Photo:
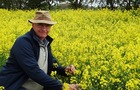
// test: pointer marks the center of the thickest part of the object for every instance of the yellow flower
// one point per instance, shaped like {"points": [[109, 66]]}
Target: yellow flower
{"points": [[53, 73], [55, 65], [2, 88], [66, 86]]}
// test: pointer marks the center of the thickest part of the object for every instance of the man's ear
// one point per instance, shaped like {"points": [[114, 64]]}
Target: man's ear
{"points": [[32, 24]]}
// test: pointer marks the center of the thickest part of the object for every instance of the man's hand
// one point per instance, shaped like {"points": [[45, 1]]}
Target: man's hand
{"points": [[73, 86], [67, 86], [70, 70]]}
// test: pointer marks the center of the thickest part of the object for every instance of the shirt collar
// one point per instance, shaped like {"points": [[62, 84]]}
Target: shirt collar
{"points": [[45, 42]]}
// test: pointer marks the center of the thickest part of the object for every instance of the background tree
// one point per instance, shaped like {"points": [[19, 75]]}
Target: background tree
{"points": [[33, 4], [75, 4]]}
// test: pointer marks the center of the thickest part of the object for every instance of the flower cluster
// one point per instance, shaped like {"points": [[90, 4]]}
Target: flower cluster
{"points": [[103, 45]]}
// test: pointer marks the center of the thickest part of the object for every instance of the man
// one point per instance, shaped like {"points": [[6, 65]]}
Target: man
{"points": [[31, 61]]}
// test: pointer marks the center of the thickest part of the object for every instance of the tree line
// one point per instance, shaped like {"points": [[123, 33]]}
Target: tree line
{"points": [[74, 4]]}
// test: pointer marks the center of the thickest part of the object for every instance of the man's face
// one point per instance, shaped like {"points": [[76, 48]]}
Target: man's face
{"points": [[41, 30]]}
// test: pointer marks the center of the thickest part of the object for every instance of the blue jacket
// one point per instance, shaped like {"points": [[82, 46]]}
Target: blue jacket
{"points": [[22, 64]]}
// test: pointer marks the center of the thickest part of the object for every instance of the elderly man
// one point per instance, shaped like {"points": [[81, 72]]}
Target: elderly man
{"points": [[31, 61]]}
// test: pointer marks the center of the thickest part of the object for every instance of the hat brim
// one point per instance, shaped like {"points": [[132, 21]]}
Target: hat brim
{"points": [[42, 21]]}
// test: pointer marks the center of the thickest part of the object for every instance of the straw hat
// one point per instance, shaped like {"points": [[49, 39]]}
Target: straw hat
{"points": [[42, 17]]}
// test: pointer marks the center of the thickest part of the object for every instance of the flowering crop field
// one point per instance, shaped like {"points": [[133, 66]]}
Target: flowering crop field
{"points": [[103, 45]]}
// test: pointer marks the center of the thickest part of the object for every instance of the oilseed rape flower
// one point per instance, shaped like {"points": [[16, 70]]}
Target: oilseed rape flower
{"points": [[2, 88], [103, 45]]}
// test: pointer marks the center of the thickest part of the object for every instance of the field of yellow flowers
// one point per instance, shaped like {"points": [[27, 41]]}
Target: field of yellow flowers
{"points": [[104, 45]]}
